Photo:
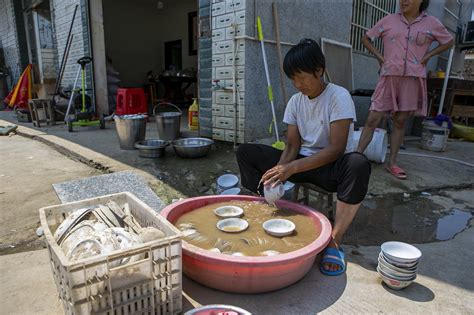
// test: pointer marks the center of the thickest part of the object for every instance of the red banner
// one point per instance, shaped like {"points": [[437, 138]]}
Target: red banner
{"points": [[20, 95]]}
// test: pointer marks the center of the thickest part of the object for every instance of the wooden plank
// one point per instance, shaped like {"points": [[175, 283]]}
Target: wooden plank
{"points": [[463, 111]]}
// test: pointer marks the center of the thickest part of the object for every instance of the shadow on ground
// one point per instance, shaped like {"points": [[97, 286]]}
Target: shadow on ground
{"points": [[311, 295]]}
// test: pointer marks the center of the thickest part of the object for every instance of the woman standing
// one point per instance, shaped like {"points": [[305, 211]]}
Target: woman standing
{"points": [[401, 88]]}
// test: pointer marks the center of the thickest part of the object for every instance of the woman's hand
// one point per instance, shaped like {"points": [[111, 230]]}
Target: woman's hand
{"points": [[277, 174], [380, 60], [425, 59]]}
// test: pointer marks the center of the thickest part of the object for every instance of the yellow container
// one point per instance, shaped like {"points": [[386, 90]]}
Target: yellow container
{"points": [[440, 74], [193, 116]]}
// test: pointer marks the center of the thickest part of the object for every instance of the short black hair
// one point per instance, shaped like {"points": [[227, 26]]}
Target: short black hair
{"points": [[306, 56], [424, 5]]}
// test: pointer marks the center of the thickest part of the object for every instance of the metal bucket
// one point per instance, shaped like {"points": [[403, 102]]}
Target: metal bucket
{"points": [[130, 129], [168, 123]]}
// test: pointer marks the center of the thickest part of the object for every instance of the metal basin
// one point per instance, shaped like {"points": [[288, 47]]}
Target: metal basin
{"points": [[243, 274], [152, 148], [192, 147]]}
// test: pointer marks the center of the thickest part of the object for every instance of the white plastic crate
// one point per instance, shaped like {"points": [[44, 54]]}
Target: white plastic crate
{"points": [[151, 284]]}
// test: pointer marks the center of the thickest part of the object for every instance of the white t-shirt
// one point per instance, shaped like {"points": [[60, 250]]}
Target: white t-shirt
{"points": [[313, 117]]}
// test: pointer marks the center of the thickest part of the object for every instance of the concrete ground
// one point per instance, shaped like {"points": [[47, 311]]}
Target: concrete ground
{"points": [[27, 172], [444, 283]]}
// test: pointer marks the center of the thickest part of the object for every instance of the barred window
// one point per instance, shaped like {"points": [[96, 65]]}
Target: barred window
{"points": [[452, 10], [365, 13]]}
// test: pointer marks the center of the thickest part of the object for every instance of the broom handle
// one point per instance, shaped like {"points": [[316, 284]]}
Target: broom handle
{"points": [[269, 86]]}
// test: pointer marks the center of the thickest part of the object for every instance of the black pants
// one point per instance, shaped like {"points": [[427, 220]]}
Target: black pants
{"points": [[348, 175]]}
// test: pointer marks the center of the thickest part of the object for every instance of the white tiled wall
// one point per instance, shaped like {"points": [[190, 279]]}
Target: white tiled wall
{"points": [[228, 56]]}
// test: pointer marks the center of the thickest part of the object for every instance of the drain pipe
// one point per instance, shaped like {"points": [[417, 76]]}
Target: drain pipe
{"points": [[235, 92], [234, 85]]}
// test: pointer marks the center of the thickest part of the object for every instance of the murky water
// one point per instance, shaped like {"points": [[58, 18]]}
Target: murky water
{"points": [[416, 219], [199, 228]]}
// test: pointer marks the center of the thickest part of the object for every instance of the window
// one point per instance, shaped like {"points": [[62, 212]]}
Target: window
{"points": [[365, 13]]}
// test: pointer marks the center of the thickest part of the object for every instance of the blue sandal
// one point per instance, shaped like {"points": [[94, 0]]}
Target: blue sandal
{"points": [[333, 256]]}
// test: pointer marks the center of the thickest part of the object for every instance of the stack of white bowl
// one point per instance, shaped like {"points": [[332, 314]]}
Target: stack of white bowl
{"points": [[227, 185], [398, 264]]}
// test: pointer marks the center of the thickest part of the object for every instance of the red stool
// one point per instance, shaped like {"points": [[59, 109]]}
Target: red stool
{"points": [[131, 101]]}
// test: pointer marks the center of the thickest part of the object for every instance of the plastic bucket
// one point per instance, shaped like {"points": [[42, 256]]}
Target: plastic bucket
{"points": [[130, 129], [168, 123], [434, 137], [377, 149]]}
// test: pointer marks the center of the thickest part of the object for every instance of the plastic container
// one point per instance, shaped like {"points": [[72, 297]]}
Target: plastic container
{"points": [[377, 149], [434, 137], [152, 284], [131, 101], [168, 123], [130, 129], [242, 274], [193, 116]]}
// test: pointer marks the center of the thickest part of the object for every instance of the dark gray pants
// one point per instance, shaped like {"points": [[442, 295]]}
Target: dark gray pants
{"points": [[348, 175]]}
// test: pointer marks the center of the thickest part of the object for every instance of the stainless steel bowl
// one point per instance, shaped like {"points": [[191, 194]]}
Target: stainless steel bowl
{"points": [[151, 148], [192, 147]]}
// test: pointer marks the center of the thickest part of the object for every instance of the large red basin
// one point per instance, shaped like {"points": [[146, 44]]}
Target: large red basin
{"points": [[248, 274]]}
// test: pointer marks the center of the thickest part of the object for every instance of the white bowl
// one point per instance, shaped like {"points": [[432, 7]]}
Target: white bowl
{"points": [[411, 270], [396, 274], [273, 194], [232, 225], [229, 212], [227, 181], [401, 252], [232, 191], [393, 283], [279, 227], [399, 264]]}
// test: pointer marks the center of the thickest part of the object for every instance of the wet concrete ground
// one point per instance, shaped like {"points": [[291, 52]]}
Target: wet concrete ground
{"points": [[438, 206], [417, 218]]}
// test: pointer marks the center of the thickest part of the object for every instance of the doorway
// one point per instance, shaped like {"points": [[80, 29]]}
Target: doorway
{"points": [[173, 51]]}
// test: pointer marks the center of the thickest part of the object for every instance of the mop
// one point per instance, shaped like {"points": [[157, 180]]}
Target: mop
{"points": [[280, 145]]}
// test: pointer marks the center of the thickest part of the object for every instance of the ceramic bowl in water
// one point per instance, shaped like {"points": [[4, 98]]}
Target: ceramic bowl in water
{"points": [[273, 194], [229, 212], [232, 225], [401, 252], [279, 227]]}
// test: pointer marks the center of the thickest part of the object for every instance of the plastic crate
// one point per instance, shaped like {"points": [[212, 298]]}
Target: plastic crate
{"points": [[150, 285]]}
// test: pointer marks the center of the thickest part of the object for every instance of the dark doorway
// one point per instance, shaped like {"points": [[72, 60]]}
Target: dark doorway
{"points": [[173, 54]]}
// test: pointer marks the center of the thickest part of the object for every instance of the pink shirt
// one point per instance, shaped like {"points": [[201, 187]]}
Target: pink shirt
{"points": [[405, 43]]}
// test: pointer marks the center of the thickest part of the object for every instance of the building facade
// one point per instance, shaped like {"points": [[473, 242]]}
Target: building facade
{"points": [[232, 88]]}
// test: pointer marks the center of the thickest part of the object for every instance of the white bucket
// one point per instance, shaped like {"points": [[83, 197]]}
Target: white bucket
{"points": [[377, 149], [434, 137]]}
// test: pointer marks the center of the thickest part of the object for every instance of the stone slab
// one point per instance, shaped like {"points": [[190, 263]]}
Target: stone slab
{"points": [[95, 186]]}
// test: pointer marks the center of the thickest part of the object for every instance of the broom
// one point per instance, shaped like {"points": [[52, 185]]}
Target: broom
{"points": [[280, 145]]}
